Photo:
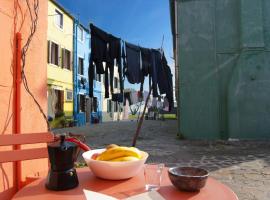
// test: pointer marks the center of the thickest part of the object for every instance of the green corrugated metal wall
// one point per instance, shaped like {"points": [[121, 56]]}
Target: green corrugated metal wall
{"points": [[224, 58]]}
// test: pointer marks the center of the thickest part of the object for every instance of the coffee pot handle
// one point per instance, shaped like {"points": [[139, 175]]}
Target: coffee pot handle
{"points": [[82, 145]]}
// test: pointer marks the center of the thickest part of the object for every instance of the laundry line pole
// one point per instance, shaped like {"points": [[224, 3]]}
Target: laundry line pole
{"points": [[141, 120]]}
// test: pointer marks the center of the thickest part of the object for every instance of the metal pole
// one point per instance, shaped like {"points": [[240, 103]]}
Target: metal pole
{"points": [[17, 76], [141, 120]]}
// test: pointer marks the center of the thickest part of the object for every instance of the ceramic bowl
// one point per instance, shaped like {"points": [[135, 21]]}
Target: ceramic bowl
{"points": [[113, 170], [189, 179]]}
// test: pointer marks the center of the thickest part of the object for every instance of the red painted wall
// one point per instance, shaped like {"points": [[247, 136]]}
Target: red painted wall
{"points": [[36, 72]]}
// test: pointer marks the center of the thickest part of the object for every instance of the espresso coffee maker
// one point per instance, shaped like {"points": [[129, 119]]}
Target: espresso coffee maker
{"points": [[62, 174]]}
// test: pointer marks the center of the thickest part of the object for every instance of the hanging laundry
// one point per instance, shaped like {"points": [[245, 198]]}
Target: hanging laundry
{"points": [[114, 50], [99, 51], [146, 64], [118, 97], [132, 67], [104, 48], [115, 53], [146, 60], [155, 64], [167, 85], [99, 54], [162, 78], [127, 97]]}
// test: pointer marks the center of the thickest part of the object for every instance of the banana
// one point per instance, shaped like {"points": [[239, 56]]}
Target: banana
{"points": [[111, 146], [117, 152], [124, 159]]}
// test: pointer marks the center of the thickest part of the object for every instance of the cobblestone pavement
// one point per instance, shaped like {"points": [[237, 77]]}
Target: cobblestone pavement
{"points": [[242, 165]]}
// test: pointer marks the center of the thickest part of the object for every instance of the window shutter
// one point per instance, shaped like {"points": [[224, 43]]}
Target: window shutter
{"points": [[59, 56], [53, 53], [71, 61], [63, 58], [49, 51]]}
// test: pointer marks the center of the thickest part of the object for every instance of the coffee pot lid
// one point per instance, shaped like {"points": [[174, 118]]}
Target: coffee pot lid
{"points": [[62, 143]]}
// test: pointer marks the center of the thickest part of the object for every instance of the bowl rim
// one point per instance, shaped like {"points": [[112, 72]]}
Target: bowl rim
{"points": [[103, 161], [170, 170]]}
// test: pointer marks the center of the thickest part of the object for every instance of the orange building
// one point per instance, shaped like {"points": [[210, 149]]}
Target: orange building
{"points": [[15, 17]]}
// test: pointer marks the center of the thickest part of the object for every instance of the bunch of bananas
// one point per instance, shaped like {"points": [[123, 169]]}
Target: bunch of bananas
{"points": [[117, 153]]}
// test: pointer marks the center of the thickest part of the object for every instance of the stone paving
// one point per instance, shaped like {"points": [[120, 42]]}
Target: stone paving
{"points": [[242, 165]]}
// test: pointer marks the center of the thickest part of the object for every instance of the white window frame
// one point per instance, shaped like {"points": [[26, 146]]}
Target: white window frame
{"points": [[71, 92], [57, 14], [79, 57], [50, 46], [63, 57], [109, 105], [79, 38]]}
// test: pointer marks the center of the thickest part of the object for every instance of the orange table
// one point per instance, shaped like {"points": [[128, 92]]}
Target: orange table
{"points": [[213, 190]]}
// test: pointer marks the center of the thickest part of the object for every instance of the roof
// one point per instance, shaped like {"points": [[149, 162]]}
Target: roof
{"points": [[84, 27], [62, 8], [69, 14]]}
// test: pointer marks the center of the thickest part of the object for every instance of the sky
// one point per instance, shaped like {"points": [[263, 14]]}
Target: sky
{"points": [[141, 22]]}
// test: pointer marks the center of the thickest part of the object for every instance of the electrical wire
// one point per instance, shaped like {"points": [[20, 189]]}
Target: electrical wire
{"points": [[33, 27]]}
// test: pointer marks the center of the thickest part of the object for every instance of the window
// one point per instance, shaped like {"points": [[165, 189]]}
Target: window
{"points": [[109, 105], [59, 19], [69, 95], [59, 105], [115, 82], [81, 104], [95, 104], [66, 59], [53, 53], [80, 66], [80, 34]]}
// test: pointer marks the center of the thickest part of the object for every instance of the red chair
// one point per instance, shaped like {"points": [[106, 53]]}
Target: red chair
{"points": [[24, 154]]}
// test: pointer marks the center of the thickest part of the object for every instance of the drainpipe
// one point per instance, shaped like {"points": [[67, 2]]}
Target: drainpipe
{"points": [[17, 104], [177, 67], [75, 74]]}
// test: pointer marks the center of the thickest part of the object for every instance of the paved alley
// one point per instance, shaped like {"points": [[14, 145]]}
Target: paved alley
{"points": [[244, 165]]}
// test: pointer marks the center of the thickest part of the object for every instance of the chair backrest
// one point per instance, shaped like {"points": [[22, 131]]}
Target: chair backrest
{"points": [[21, 139]]}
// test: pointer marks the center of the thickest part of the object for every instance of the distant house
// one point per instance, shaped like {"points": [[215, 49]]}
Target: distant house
{"points": [[221, 51], [59, 59], [111, 110], [85, 109]]}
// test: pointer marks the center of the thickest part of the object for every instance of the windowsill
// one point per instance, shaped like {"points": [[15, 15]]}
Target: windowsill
{"points": [[81, 41], [54, 65], [58, 27], [65, 69], [81, 75]]}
